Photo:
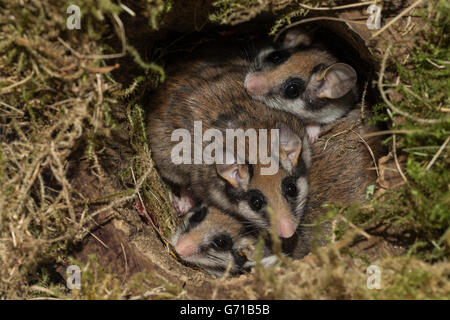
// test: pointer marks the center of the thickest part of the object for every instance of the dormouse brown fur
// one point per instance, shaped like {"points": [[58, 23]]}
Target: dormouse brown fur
{"points": [[213, 93]]}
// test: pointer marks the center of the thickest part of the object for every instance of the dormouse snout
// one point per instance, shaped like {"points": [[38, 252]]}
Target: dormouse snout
{"points": [[285, 227], [285, 223], [256, 84], [186, 247]]}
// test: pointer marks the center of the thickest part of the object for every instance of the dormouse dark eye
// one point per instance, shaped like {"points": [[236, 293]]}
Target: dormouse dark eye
{"points": [[198, 216], [222, 242], [256, 200], [256, 203], [277, 57], [289, 188], [294, 88]]}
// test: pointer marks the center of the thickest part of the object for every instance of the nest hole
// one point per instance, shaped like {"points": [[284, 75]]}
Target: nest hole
{"points": [[174, 43]]}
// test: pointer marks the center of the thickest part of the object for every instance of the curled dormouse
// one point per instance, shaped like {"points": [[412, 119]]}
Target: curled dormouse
{"points": [[216, 242], [343, 168]]}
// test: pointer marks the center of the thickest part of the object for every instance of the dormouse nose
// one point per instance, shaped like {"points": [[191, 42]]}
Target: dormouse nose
{"points": [[255, 84], [186, 247], [285, 227]]}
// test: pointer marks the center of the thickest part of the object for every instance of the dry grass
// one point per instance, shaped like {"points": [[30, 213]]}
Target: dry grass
{"points": [[56, 95]]}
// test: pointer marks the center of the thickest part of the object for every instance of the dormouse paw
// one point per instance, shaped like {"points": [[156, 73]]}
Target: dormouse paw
{"points": [[312, 131]]}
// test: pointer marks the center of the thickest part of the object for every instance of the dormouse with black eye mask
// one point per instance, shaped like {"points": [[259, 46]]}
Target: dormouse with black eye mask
{"points": [[306, 81], [216, 242]]}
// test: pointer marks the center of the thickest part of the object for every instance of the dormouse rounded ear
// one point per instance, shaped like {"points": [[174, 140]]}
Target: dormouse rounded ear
{"points": [[296, 37], [336, 81], [290, 144], [236, 174]]}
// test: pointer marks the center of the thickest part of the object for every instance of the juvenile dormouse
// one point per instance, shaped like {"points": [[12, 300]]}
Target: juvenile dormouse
{"points": [[304, 80], [216, 242], [213, 94]]}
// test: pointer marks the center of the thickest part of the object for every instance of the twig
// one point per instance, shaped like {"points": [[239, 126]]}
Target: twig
{"points": [[359, 230], [394, 147], [397, 164], [42, 289], [100, 98], [370, 151], [435, 64], [401, 14], [334, 135], [397, 131], [347, 6], [339, 133], [121, 33], [314, 19], [438, 153], [128, 10], [415, 95], [126, 262], [9, 88], [88, 231], [140, 182], [11, 107]]}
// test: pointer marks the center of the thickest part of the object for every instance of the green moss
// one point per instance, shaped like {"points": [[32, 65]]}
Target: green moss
{"points": [[408, 280], [422, 206], [97, 281], [155, 9]]}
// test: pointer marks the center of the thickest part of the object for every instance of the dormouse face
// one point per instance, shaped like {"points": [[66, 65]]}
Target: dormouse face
{"points": [[300, 79], [285, 191], [303, 82], [213, 241]]}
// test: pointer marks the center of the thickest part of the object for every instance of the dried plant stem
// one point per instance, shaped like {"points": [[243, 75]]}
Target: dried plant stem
{"points": [[314, 19], [347, 6], [121, 32], [333, 136], [397, 164], [93, 235], [370, 151], [401, 14], [126, 262], [11, 107], [438, 153], [351, 224], [9, 88], [125, 198], [394, 149], [398, 131]]}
